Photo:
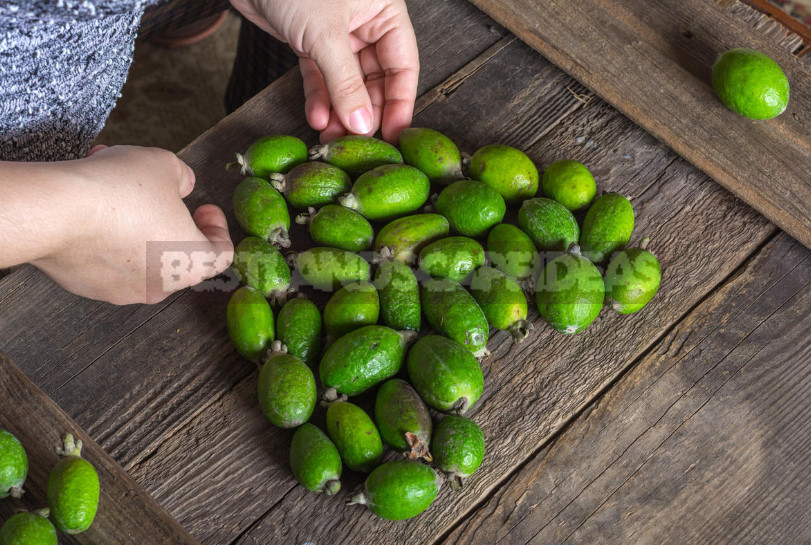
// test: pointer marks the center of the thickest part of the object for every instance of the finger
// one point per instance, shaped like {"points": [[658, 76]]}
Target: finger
{"points": [[316, 98], [96, 148], [210, 220], [333, 130], [375, 84], [335, 59], [187, 181]]}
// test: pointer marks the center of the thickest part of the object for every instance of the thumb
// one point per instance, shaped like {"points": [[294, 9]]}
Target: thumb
{"points": [[210, 220], [344, 82]]}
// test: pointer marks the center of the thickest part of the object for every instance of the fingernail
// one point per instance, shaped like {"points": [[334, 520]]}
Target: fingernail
{"points": [[360, 121]]}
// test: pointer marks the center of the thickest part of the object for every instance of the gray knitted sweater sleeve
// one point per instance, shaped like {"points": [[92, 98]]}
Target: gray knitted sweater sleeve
{"points": [[62, 66]]}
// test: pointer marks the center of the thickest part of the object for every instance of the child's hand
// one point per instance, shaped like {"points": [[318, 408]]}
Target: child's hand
{"points": [[359, 60]]}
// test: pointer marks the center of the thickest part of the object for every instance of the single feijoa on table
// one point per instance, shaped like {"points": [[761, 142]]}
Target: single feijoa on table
{"points": [[459, 446], [750, 83], [403, 419], [258, 264], [315, 460], [570, 183], [453, 312], [355, 435], [399, 490], [299, 327], [339, 227], [607, 227], [507, 170], [356, 154], [570, 292], [273, 153], [452, 257], [403, 238], [286, 388], [387, 192], [432, 152], [262, 211], [312, 184], [632, 278], [471, 207], [511, 251], [502, 300], [73, 489], [399, 295], [250, 323], [26, 528], [362, 358], [448, 377], [328, 269], [550, 225], [350, 308], [13, 465]]}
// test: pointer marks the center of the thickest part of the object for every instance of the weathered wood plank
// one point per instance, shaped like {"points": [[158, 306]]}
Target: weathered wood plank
{"points": [[127, 514], [651, 60], [704, 440]]}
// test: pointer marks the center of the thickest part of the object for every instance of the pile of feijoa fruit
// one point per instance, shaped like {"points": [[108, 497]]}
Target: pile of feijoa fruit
{"points": [[416, 282], [72, 493]]}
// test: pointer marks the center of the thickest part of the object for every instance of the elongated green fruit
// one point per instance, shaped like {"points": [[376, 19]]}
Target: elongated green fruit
{"points": [[507, 170], [399, 295], [315, 461], [355, 435], [350, 308], [459, 446], [258, 264], [339, 227], [13, 465], [312, 184], [250, 323], [632, 278], [432, 152], [387, 192], [274, 153], [452, 311], [453, 258], [327, 269], [262, 211], [399, 490], [299, 328], [549, 224], [28, 529], [511, 251], [356, 154], [403, 238], [502, 300], [471, 207], [287, 394], [570, 183], [73, 489], [607, 227], [403, 419]]}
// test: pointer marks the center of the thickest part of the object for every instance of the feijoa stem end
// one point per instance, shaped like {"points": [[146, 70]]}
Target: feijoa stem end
{"points": [[279, 237], [644, 244], [332, 487], [348, 200], [69, 447], [520, 330], [16, 492], [408, 335], [358, 499], [44, 512], [330, 396], [418, 448], [306, 217], [574, 249], [460, 406], [318, 152], [277, 181], [238, 164]]}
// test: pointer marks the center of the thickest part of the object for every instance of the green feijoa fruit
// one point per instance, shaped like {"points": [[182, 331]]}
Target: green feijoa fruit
{"points": [[274, 153], [458, 444], [399, 490], [338, 226], [250, 323], [503, 301], [750, 83], [632, 278], [356, 154], [453, 312], [312, 185], [507, 170], [403, 419], [286, 388], [355, 435], [570, 292], [550, 225], [73, 489], [403, 238], [299, 328], [362, 358], [607, 227], [399, 295], [432, 152], [471, 207], [570, 183], [453, 257], [511, 251], [28, 529], [448, 377], [351, 307], [387, 192], [13, 465], [327, 268], [315, 460], [261, 211], [258, 264]]}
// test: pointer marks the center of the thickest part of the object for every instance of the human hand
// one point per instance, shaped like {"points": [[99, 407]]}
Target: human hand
{"points": [[358, 58], [127, 199]]}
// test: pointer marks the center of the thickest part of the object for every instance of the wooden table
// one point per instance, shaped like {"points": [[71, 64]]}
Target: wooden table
{"points": [[685, 423]]}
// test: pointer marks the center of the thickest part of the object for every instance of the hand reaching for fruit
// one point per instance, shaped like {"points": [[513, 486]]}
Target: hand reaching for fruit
{"points": [[358, 58]]}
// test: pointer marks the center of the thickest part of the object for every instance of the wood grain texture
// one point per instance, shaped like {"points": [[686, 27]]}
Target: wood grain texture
{"points": [[126, 515], [705, 440], [651, 60]]}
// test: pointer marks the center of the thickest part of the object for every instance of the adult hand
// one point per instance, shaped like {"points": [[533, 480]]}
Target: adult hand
{"points": [[358, 58]]}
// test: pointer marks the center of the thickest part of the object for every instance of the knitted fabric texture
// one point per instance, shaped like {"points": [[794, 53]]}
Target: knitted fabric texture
{"points": [[62, 66]]}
